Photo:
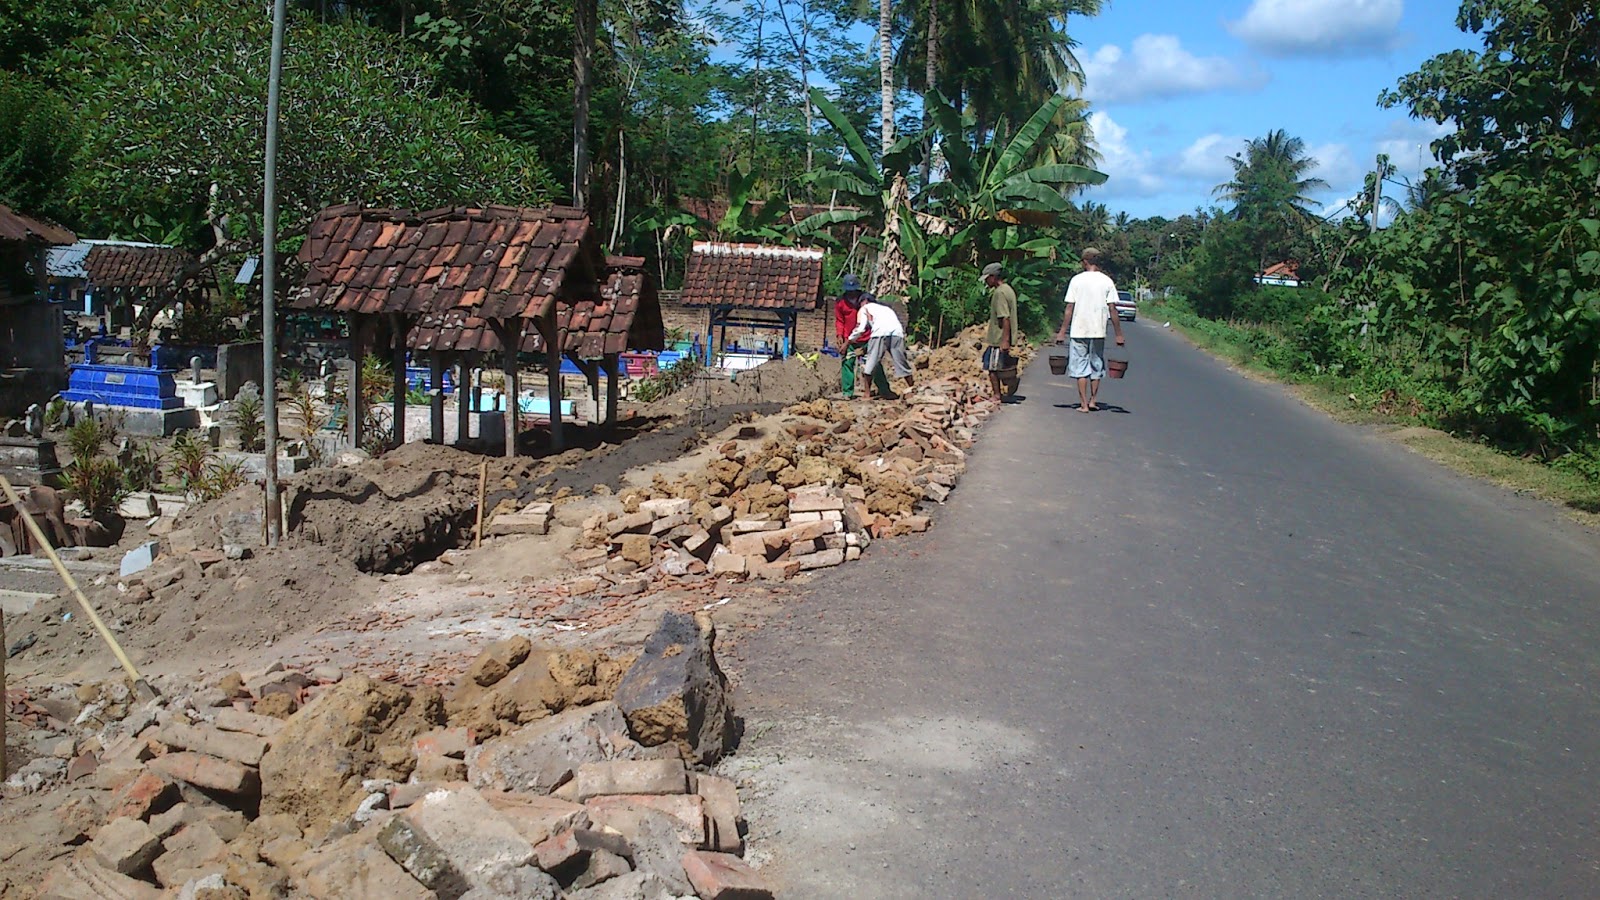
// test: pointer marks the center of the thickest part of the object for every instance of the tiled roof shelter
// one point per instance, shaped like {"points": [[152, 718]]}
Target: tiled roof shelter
{"points": [[753, 276], [752, 286], [469, 279], [625, 316]]}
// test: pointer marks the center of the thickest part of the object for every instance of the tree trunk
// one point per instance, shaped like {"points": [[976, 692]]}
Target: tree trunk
{"points": [[584, 18], [886, 72], [894, 270], [930, 75]]}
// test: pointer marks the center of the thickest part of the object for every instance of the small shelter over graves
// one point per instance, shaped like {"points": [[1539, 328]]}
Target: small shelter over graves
{"points": [[33, 362], [110, 279], [465, 281], [752, 286]]}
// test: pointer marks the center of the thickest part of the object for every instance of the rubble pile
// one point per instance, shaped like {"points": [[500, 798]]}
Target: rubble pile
{"points": [[838, 476], [544, 774]]}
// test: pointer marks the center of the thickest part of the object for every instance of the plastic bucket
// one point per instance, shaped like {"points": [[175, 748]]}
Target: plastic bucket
{"points": [[1058, 365], [1116, 368]]}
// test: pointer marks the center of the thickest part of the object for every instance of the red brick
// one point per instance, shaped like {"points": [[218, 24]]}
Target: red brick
{"points": [[720, 876], [141, 797], [205, 771]]}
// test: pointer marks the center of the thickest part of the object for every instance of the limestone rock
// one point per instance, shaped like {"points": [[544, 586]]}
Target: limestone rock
{"points": [[358, 729], [675, 692], [542, 756]]}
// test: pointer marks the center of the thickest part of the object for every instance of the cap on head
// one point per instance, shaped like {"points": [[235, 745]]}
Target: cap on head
{"points": [[992, 269], [851, 282], [1091, 256]]}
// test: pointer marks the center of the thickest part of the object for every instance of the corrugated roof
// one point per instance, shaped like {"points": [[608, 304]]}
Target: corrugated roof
{"points": [[15, 226], [626, 316], [753, 276], [67, 262], [497, 262]]}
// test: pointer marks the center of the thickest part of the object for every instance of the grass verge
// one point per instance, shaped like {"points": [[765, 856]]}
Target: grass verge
{"points": [[1338, 398]]}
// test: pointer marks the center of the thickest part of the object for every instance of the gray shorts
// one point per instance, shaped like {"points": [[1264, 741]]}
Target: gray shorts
{"points": [[893, 346], [1086, 358]]}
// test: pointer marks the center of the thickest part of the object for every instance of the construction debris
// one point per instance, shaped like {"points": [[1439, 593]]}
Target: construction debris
{"points": [[372, 789]]}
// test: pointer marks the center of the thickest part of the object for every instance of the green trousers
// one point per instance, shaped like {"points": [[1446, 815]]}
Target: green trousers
{"points": [[847, 371]]}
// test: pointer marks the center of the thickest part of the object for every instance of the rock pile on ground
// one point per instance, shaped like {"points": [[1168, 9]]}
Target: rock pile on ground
{"points": [[527, 781]]}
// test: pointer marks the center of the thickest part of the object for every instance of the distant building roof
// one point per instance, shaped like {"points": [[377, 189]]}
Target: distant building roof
{"points": [[15, 226], [753, 276], [119, 264], [497, 262], [1286, 269]]}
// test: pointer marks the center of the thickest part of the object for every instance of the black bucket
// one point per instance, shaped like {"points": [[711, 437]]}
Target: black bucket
{"points": [[1058, 365]]}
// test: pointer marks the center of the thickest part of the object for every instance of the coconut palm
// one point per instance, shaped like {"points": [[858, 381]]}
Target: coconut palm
{"points": [[1271, 178]]}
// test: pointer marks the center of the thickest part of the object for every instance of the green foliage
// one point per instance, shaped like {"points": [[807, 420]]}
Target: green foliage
{"points": [[190, 456], [1278, 305], [1495, 272], [38, 137], [665, 384], [97, 483], [170, 94], [55, 414], [141, 468], [248, 419], [86, 437]]}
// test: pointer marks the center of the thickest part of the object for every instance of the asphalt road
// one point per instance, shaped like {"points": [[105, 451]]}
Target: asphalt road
{"points": [[1208, 643]]}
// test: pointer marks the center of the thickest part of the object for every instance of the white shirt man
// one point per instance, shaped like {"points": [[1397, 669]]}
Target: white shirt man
{"points": [[1089, 297], [888, 340]]}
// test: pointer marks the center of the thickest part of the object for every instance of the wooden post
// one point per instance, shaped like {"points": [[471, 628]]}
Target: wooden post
{"points": [[401, 384], [552, 358], [513, 392], [464, 397], [612, 363], [436, 396], [4, 706], [355, 386]]}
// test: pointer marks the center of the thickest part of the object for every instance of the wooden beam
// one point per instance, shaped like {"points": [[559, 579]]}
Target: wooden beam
{"points": [[398, 327], [355, 386], [464, 396], [613, 363], [509, 331], [552, 358], [436, 396]]}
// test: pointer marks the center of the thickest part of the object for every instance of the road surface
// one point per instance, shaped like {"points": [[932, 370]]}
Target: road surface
{"points": [[1207, 643]]}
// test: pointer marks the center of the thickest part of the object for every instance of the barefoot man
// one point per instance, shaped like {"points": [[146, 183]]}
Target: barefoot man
{"points": [[1089, 297]]}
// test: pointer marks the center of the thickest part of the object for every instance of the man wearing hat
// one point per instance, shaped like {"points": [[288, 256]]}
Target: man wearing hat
{"points": [[1002, 327], [844, 322]]}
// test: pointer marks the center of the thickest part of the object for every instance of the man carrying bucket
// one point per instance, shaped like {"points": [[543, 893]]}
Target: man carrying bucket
{"points": [[1002, 328], [1089, 297]]}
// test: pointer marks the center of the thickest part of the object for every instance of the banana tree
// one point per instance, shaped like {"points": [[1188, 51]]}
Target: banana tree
{"points": [[998, 184], [866, 189]]}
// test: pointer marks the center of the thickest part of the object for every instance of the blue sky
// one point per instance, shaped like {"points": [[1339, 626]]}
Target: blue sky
{"points": [[1178, 85]]}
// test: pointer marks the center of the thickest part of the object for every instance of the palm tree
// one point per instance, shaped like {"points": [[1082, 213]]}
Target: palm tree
{"points": [[999, 59], [1426, 193], [1271, 177], [1270, 191]]}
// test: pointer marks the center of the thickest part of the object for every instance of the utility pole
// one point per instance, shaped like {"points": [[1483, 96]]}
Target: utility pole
{"points": [[269, 277], [1377, 188]]}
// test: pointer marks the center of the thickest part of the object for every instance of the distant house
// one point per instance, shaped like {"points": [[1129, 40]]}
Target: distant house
{"points": [[1284, 274], [33, 362]]}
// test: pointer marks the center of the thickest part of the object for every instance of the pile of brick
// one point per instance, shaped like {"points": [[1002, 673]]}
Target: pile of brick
{"points": [[838, 476], [592, 787]]}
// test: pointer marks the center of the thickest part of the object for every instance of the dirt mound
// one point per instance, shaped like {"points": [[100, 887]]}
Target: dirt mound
{"points": [[201, 612], [779, 383]]}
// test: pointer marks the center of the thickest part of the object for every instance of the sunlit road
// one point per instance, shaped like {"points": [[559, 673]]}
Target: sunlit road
{"points": [[1208, 643]]}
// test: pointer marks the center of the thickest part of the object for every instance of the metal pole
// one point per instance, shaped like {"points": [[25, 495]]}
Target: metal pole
{"points": [[269, 273]]}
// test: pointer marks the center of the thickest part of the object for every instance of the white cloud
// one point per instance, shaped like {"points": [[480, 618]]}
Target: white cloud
{"points": [[1129, 169], [1337, 166], [1407, 143], [1321, 27], [1156, 67], [1207, 158]]}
